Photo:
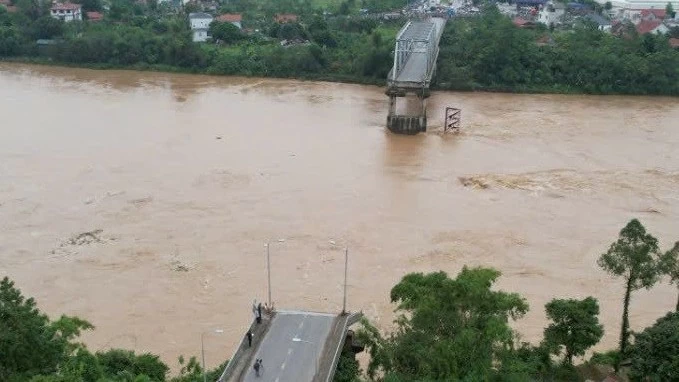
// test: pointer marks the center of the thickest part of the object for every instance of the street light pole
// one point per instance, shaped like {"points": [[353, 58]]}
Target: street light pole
{"points": [[268, 268], [346, 263], [202, 350]]}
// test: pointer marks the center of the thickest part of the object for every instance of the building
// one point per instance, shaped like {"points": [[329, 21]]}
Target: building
{"points": [[653, 26], [94, 16], [551, 14], [523, 23], [200, 23], [283, 18], [601, 22], [233, 18], [66, 12], [674, 43]]}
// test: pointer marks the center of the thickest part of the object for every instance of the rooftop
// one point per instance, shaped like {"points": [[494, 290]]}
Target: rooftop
{"points": [[659, 13], [648, 26], [230, 18], [199, 15], [65, 7], [95, 16], [285, 18]]}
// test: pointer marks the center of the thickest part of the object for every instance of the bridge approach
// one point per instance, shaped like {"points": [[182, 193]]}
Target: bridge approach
{"points": [[415, 55]]}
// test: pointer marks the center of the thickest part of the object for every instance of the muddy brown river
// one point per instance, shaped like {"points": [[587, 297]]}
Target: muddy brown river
{"points": [[142, 201]]}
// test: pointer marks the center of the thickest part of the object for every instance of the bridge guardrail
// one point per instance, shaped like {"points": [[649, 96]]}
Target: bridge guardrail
{"points": [[352, 319]]}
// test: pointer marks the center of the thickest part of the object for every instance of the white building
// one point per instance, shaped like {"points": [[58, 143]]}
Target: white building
{"points": [[551, 14], [200, 23], [66, 12]]}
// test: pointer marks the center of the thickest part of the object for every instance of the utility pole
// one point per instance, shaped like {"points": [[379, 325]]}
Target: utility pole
{"points": [[268, 269], [202, 351], [346, 263]]}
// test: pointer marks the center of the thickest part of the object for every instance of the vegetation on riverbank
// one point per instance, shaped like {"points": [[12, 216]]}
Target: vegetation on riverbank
{"points": [[447, 329], [487, 52], [490, 53]]}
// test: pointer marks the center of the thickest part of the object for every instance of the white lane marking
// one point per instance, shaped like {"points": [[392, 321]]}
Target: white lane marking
{"points": [[283, 366], [277, 379], [289, 351], [301, 324]]}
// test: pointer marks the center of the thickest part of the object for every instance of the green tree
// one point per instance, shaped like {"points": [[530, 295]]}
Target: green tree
{"points": [[48, 27], [670, 267], [90, 5], [224, 32], [348, 369], [655, 354], [447, 329], [29, 343], [575, 326], [608, 6], [634, 257], [669, 10], [118, 361]]}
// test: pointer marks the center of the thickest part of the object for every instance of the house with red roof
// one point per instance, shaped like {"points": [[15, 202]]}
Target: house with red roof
{"points": [[95, 16], [66, 11], [233, 18], [674, 43], [523, 23], [652, 14], [283, 18], [652, 26]]}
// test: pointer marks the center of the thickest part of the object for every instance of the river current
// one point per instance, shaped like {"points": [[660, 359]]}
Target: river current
{"points": [[142, 201]]}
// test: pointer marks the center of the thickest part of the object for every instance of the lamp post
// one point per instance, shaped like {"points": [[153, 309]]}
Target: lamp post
{"points": [[346, 263], [202, 349], [268, 266], [268, 269]]}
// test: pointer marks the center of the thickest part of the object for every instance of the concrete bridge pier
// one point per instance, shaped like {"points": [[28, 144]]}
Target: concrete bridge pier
{"points": [[406, 124]]}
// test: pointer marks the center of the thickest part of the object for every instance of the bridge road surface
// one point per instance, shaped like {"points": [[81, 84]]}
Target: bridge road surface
{"points": [[415, 70], [291, 349]]}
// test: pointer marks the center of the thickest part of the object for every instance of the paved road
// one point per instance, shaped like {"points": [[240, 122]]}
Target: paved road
{"points": [[291, 348]]}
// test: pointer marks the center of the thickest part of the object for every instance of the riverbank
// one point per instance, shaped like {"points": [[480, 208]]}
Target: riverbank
{"points": [[484, 53]]}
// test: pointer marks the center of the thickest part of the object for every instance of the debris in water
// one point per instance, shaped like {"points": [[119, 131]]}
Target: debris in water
{"points": [[473, 182], [85, 238]]}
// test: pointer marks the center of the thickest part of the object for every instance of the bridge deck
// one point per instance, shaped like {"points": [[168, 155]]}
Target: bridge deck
{"points": [[417, 71], [291, 349], [295, 346], [417, 31]]}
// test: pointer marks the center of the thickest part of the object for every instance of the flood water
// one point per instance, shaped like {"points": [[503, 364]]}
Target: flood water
{"points": [[180, 180]]}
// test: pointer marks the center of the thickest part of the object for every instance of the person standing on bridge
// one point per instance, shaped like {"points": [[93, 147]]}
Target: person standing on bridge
{"points": [[249, 335], [259, 313], [257, 366]]}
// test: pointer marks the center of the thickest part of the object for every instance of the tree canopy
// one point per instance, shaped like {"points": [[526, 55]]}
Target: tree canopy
{"points": [[636, 258], [670, 267], [655, 354], [30, 343], [575, 326], [447, 329], [36, 349]]}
